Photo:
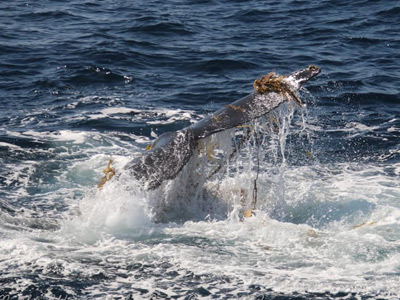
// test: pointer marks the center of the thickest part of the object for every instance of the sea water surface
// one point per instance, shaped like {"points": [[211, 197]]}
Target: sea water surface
{"points": [[83, 80]]}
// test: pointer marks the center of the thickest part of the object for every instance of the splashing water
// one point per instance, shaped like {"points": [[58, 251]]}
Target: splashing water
{"points": [[239, 167], [312, 229], [89, 79], [231, 168]]}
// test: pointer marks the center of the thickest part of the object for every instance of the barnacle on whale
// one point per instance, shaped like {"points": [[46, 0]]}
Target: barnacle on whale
{"points": [[276, 84]]}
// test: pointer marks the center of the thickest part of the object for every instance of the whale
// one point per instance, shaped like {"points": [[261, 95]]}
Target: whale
{"points": [[171, 151]]}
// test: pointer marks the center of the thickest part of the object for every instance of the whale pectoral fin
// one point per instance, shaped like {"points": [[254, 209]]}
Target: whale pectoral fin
{"points": [[169, 154], [208, 147], [210, 151], [166, 157]]}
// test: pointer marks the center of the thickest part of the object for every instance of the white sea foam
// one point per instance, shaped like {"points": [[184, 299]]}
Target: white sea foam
{"points": [[77, 137], [155, 116], [114, 228], [316, 227], [15, 147]]}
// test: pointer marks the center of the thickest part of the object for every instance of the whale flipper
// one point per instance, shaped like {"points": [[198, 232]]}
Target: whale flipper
{"points": [[166, 158], [171, 151]]}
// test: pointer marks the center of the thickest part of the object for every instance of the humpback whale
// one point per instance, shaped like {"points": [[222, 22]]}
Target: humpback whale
{"points": [[171, 151]]}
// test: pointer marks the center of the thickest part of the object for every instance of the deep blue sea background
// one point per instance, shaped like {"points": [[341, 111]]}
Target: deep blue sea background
{"points": [[81, 80]]}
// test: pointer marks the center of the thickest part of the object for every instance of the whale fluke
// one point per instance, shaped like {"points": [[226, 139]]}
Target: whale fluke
{"points": [[171, 151]]}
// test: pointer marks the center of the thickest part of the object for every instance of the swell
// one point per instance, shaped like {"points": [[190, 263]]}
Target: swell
{"points": [[393, 12], [50, 16], [374, 98], [220, 66], [161, 29]]}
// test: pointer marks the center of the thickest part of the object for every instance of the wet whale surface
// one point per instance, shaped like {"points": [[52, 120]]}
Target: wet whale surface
{"points": [[170, 152]]}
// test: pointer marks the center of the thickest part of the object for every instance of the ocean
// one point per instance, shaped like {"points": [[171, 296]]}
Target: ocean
{"points": [[83, 81]]}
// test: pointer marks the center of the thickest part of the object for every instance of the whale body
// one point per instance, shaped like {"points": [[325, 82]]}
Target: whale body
{"points": [[171, 151]]}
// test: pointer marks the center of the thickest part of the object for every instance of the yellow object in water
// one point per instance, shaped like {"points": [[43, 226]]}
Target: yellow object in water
{"points": [[364, 224], [109, 173], [248, 213]]}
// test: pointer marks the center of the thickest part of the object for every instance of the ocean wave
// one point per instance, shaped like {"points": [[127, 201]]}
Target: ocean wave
{"points": [[95, 74], [161, 29], [253, 15], [389, 13], [55, 15], [86, 80], [369, 98], [221, 65]]}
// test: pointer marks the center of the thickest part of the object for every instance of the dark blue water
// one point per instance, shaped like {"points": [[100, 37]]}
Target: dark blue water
{"points": [[86, 79]]}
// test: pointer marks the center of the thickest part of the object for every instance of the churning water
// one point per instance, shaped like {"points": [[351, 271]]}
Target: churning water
{"points": [[84, 80]]}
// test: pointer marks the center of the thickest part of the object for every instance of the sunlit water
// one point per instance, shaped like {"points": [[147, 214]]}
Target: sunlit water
{"points": [[315, 228], [85, 80]]}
